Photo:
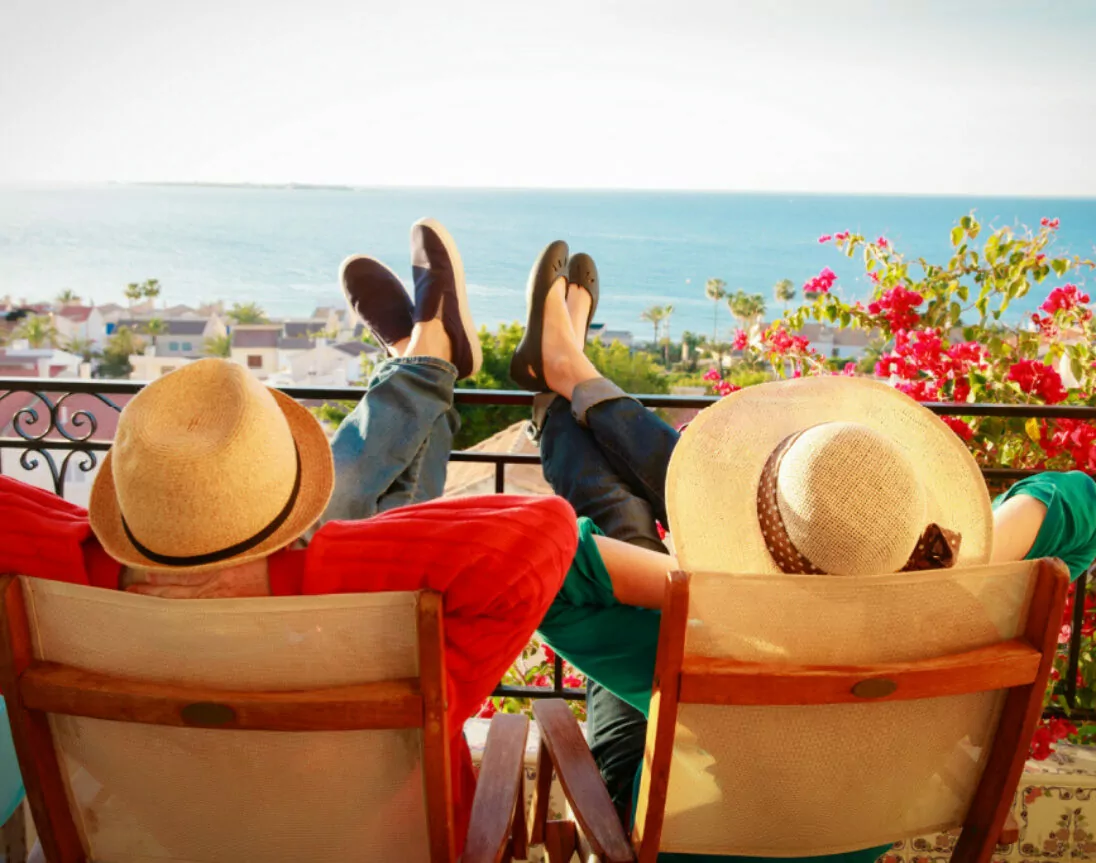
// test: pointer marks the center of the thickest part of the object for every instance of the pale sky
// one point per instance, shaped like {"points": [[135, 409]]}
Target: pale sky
{"points": [[954, 96]]}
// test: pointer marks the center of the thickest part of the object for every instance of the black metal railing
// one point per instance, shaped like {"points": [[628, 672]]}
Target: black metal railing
{"points": [[57, 417]]}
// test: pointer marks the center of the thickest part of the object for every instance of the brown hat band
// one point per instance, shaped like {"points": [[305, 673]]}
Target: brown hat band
{"points": [[937, 548], [233, 550]]}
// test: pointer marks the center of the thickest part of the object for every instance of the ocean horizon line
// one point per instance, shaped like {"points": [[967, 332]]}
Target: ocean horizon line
{"points": [[301, 186]]}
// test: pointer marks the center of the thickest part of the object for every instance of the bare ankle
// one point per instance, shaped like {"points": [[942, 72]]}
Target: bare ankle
{"points": [[429, 339]]}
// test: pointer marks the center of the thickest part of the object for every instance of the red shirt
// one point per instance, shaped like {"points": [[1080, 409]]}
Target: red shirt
{"points": [[497, 560]]}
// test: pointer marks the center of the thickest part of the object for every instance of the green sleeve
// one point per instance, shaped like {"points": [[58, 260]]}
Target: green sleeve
{"points": [[612, 643], [1069, 529]]}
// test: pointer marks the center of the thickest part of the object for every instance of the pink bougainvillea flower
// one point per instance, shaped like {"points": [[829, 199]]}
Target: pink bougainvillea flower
{"points": [[549, 654], [1064, 299], [1049, 223], [849, 370], [825, 238], [712, 375], [841, 235], [1036, 378], [741, 340], [882, 242]]}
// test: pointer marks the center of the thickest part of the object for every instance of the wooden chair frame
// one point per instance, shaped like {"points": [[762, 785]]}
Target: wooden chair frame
{"points": [[1021, 665], [33, 689]]}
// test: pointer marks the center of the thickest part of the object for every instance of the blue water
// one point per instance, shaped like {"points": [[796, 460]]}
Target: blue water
{"points": [[281, 248]]}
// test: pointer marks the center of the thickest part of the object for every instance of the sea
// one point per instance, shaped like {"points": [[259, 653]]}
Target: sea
{"points": [[281, 247]]}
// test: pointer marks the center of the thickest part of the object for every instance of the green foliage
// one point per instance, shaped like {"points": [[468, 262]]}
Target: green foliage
{"points": [[68, 297], [146, 290], [83, 348], [481, 421], [748, 309], [120, 347], [38, 330], [784, 292], [247, 313], [154, 327], [715, 290], [634, 372], [218, 346]]}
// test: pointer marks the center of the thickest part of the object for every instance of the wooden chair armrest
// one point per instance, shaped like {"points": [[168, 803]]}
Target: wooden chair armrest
{"points": [[1010, 833], [564, 749], [498, 809]]}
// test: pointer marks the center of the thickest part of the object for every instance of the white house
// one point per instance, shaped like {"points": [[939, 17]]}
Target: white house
{"points": [[255, 346], [81, 322], [326, 365]]}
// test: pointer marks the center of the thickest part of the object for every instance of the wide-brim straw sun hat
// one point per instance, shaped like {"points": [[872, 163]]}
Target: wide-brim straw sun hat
{"points": [[209, 469], [836, 475]]}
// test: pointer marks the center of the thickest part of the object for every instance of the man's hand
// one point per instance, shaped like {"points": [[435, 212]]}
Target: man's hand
{"points": [[246, 579]]}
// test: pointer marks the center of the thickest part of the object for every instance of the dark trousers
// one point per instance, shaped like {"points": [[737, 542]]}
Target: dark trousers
{"points": [[611, 467]]}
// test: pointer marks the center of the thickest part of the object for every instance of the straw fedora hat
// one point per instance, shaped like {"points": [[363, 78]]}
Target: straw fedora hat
{"points": [[209, 468], [835, 475]]}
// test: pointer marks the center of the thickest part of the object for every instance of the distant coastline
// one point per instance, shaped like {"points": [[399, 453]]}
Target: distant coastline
{"points": [[312, 187]]}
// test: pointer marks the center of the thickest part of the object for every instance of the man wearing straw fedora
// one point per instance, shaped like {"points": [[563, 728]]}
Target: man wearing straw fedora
{"points": [[831, 476], [214, 479]]}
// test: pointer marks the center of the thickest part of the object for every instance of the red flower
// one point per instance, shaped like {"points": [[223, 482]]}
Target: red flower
{"points": [[959, 427], [712, 375], [741, 340], [541, 680], [841, 235], [572, 681], [897, 306], [849, 370], [1064, 299], [882, 242], [1039, 379], [549, 654], [1049, 223], [725, 388], [825, 238], [1041, 744], [821, 283]]}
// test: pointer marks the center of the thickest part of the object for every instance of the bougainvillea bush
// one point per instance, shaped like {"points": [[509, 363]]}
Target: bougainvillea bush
{"points": [[949, 333]]}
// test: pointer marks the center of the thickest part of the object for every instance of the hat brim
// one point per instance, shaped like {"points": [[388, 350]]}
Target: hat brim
{"points": [[711, 485], [317, 482]]}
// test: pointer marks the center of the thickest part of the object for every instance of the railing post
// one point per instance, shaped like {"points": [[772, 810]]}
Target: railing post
{"points": [[1080, 591]]}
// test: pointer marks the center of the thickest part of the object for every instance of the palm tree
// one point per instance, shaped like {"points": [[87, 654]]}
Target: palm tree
{"points": [[667, 313], [715, 290], [219, 346], [247, 313], [746, 308], [655, 314], [38, 330], [84, 348], [133, 292], [68, 297], [784, 292], [151, 289], [154, 327]]}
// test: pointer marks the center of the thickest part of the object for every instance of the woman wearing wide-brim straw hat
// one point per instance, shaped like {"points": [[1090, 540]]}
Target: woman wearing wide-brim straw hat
{"points": [[835, 476]]}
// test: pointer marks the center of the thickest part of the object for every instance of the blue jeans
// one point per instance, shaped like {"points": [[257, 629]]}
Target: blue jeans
{"points": [[393, 449], [607, 455]]}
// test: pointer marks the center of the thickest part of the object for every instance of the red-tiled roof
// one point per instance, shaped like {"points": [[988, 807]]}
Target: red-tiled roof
{"points": [[76, 314]]}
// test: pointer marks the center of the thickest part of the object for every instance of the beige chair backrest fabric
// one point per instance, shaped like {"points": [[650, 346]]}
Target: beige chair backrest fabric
{"points": [[805, 780], [142, 793]]}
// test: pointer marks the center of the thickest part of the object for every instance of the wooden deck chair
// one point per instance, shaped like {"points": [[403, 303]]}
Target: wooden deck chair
{"points": [[796, 715], [273, 729]]}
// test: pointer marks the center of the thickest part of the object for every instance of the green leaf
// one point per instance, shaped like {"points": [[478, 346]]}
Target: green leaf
{"points": [[1078, 368], [963, 292], [954, 313], [1060, 266], [966, 222], [846, 317], [957, 235], [1032, 429], [974, 230], [969, 334]]}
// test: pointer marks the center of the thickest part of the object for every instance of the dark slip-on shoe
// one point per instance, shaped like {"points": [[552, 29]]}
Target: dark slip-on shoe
{"points": [[582, 271], [376, 295], [440, 292], [527, 364]]}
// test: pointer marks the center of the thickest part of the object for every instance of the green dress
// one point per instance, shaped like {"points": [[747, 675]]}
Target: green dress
{"points": [[615, 644]]}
